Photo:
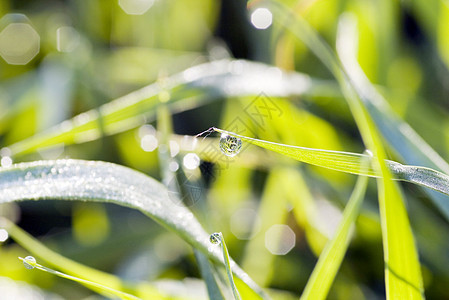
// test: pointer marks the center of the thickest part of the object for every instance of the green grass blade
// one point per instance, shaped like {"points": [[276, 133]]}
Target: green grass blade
{"points": [[353, 163], [93, 285], [106, 182], [403, 277], [69, 266], [330, 259], [335, 160], [207, 272], [217, 238], [235, 291]]}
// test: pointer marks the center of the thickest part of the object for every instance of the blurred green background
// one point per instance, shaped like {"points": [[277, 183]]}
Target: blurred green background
{"points": [[62, 58]]}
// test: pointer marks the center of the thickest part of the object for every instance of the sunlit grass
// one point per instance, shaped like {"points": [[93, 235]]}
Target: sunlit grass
{"points": [[384, 84]]}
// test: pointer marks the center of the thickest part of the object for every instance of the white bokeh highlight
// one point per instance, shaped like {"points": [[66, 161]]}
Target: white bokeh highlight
{"points": [[280, 239], [174, 148], [148, 143], [146, 129], [245, 223], [173, 166], [6, 161], [67, 39], [261, 18], [3, 235], [19, 43], [328, 217], [135, 7], [191, 161]]}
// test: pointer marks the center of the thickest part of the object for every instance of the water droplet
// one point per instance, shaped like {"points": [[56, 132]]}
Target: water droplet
{"points": [[229, 145], [215, 238], [29, 262]]}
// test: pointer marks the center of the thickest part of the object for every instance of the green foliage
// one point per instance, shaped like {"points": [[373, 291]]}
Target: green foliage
{"points": [[330, 259], [97, 181], [30, 263], [169, 74]]}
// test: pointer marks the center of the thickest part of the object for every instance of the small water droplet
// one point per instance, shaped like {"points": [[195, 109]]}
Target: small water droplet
{"points": [[29, 262], [229, 145], [215, 238]]}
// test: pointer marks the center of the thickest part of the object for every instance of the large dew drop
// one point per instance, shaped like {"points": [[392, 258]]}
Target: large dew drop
{"points": [[29, 262], [229, 145], [215, 238]]}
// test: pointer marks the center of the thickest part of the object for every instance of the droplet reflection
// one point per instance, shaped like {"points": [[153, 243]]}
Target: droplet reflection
{"points": [[215, 238], [29, 262], [229, 145]]}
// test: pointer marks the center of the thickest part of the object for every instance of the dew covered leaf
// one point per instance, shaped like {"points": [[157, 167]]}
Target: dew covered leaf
{"points": [[76, 269], [352, 163], [107, 182]]}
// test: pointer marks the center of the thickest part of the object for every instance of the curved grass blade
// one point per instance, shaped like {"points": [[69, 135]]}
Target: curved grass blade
{"points": [[218, 238], [353, 163], [330, 259], [207, 272], [335, 160], [73, 268], [31, 264], [107, 182]]}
